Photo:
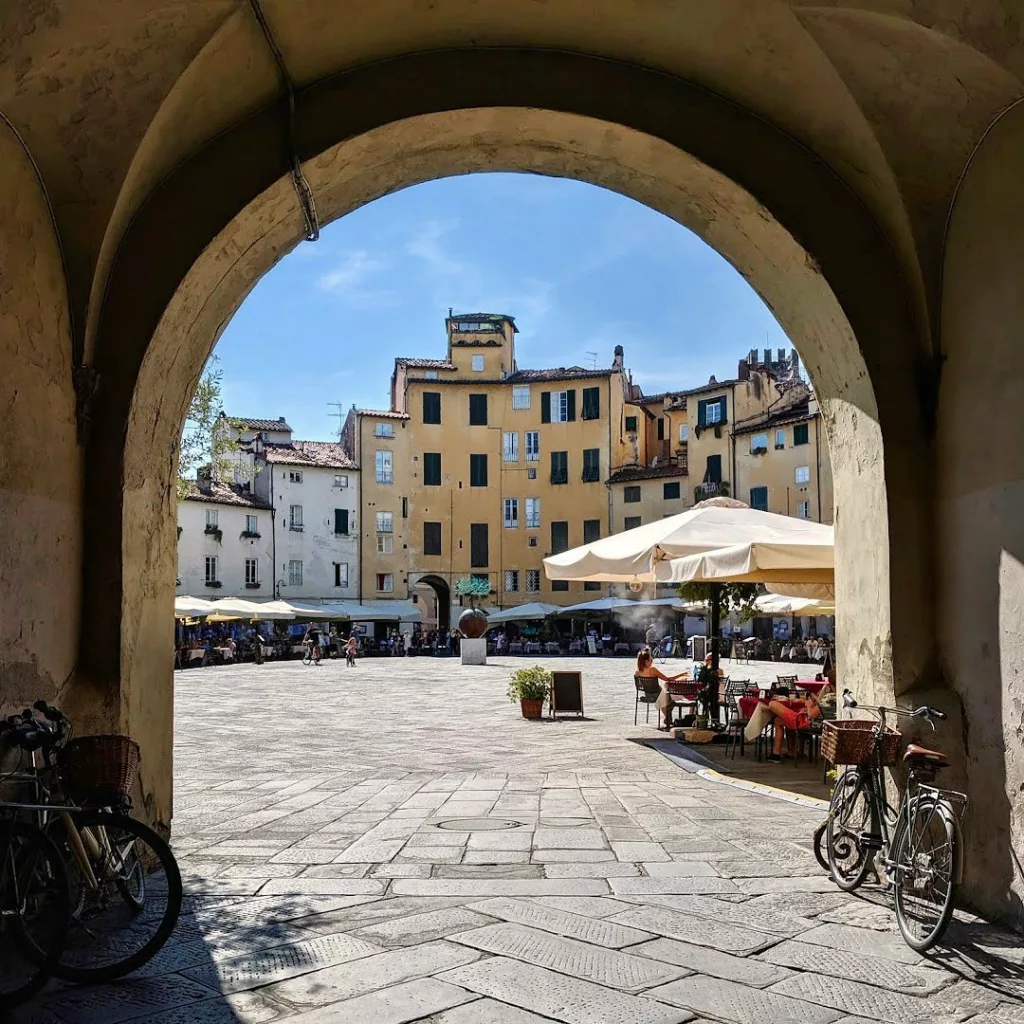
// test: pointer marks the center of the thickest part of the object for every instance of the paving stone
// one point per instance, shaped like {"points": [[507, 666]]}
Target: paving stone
{"points": [[396, 1005], [486, 1011], [740, 1004], [637, 852], [861, 914], [704, 931], [862, 940], [497, 856], [240, 1008], [349, 980], [431, 854], [874, 970], [878, 1004], [774, 922], [323, 887], [345, 919], [598, 869], [513, 839], [264, 967], [713, 962], [569, 839], [435, 924], [691, 885], [261, 869], [789, 884], [572, 856], [488, 871], [401, 870], [372, 853], [552, 995], [481, 887], [533, 914], [679, 869], [569, 956], [435, 837], [305, 855], [336, 870], [109, 1005], [588, 906], [626, 834], [811, 903]]}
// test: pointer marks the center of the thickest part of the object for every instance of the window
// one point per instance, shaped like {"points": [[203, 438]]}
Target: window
{"points": [[478, 410], [531, 474], [511, 513], [385, 543], [532, 445], [800, 434], [385, 474], [759, 498], [591, 403], [559, 585], [211, 518], [511, 581], [532, 542], [630, 424], [341, 522], [478, 555], [803, 474], [521, 396], [295, 572], [684, 433], [431, 406], [591, 585], [670, 491], [478, 471], [431, 538], [385, 583], [591, 530], [478, 364], [510, 446], [341, 480], [758, 444], [295, 518], [591, 465], [430, 374], [713, 470], [631, 495], [295, 476], [252, 525], [405, 508], [559, 537], [432, 469], [711, 412], [533, 581], [559, 467], [631, 522], [383, 430], [252, 572], [557, 406], [780, 439], [385, 522], [803, 510], [211, 568], [661, 428], [341, 574], [532, 513]]}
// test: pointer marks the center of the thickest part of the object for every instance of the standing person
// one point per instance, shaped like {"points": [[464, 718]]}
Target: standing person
{"points": [[312, 638], [651, 638], [350, 652]]}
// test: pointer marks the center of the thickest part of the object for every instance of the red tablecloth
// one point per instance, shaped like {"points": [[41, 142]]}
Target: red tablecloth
{"points": [[811, 685], [747, 705]]}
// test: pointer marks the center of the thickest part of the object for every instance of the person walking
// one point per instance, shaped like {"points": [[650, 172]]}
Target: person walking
{"points": [[313, 639], [350, 652]]}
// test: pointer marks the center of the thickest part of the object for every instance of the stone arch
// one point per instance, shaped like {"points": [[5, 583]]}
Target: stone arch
{"points": [[442, 593]]}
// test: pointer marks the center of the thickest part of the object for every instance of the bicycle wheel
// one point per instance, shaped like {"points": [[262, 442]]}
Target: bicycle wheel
{"points": [[820, 854], [849, 817], [124, 920], [925, 864], [34, 911], [307, 658]]}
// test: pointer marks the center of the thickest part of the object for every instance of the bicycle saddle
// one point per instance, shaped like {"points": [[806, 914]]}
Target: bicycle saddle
{"points": [[935, 758]]}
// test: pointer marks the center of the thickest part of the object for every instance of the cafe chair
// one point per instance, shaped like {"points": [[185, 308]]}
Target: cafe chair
{"points": [[648, 690]]}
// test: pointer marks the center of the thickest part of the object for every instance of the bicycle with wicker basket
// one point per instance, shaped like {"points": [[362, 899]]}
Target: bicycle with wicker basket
{"points": [[123, 881], [916, 846]]}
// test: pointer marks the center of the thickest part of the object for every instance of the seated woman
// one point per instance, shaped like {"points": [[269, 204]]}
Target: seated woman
{"points": [[646, 668], [792, 719]]}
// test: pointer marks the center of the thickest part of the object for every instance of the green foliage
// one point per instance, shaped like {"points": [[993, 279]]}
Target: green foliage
{"points": [[200, 441], [529, 684], [469, 586], [736, 598]]}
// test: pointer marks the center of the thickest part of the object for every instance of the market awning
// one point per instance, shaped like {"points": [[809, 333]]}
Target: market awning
{"points": [[524, 612]]}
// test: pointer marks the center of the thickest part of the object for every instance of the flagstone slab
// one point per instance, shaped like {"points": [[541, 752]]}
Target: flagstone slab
{"points": [[712, 962], [399, 1004], [597, 931], [419, 928], [483, 887], [704, 931], [740, 1004]]}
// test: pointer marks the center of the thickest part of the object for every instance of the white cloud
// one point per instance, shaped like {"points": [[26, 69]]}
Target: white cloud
{"points": [[348, 280], [426, 244]]}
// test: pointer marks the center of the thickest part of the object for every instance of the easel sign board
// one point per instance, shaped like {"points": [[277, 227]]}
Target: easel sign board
{"points": [[566, 693]]}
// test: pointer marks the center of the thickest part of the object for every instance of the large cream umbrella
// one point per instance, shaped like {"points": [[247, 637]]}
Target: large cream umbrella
{"points": [[233, 608], [524, 612], [191, 607]]}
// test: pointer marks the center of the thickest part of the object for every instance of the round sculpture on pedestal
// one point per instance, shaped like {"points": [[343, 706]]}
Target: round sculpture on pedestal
{"points": [[473, 621]]}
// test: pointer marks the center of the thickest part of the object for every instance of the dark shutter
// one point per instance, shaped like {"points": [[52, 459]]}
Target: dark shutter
{"points": [[591, 403], [759, 498], [478, 545], [431, 538], [570, 405], [478, 471], [478, 410], [559, 537], [559, 467], [631, 495], [702, 414], [630, 424], [341, 520], [591, 530], [431, 407], [800, 434], [631, 522], [713, 474], [591, 465], [432, 469], [670, 491], [661, 428], [545, 407]]}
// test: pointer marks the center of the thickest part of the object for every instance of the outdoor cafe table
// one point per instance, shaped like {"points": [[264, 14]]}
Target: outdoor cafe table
{"points": [[749, 704], [812, 686]]}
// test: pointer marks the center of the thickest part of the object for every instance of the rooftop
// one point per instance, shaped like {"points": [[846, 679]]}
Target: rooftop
{"points": [[252, 423], [387, 414], [627, 474], [556, 373], [224, 494], [323, 454], [491, 317], [425, 364]]}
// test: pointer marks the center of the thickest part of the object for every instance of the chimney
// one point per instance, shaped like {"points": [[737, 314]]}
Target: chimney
{"points": [[280, 419], [204, 479], [794, 359], [617, 361], [744, 371], [713, 380]]}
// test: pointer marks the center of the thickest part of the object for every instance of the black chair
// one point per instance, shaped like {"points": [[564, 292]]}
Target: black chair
{"points": [[811, 736], [648, 690]]}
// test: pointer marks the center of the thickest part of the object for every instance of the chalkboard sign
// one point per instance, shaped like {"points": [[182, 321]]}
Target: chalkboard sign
{"points": [[566, 693]]}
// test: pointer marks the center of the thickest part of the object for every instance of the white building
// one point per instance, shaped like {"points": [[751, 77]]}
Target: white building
{"points": [[280, 521]]}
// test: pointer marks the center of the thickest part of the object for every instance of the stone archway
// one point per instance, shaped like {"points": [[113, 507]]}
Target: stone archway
{"points": [[442, 598]]}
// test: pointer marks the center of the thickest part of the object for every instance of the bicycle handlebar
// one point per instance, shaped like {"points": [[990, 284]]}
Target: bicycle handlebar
{"points": [[925, 711]]}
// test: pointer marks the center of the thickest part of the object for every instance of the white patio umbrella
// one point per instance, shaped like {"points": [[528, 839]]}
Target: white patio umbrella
{"points": [[524, 612], [191, 607], [229, 608], [601, 606], [778, 604], [819, 591]]}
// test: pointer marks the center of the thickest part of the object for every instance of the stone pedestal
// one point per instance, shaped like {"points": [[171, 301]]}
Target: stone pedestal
{"points": [[474, 652]]}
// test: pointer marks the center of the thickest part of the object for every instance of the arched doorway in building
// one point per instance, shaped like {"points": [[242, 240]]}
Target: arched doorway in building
{"points": [[433, 597]]}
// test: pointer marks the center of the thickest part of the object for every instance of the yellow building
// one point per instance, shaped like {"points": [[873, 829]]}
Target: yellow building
{"points": [[482, 468]]}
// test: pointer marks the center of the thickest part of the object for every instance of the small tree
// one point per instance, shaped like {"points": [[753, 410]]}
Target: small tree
{"points": [[735, 598], [473, 588], [201, 442]]}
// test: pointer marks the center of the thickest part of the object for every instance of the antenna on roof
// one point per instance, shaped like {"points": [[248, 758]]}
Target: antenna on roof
{"points": [[593, 359], [339, 415]]}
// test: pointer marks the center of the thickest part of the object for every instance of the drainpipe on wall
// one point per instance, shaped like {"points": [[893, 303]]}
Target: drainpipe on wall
{"points": [[273, 535], [732, 438], [817, 461]]}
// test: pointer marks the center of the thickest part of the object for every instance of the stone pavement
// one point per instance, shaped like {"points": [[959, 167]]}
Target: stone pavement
{"points": [[394, 843]]}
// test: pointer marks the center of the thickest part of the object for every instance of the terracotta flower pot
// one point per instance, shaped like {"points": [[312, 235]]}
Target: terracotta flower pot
{"points": [[473, 623], [532, 708]]}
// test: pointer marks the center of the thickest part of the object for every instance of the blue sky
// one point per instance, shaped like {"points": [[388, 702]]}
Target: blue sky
{"points": [[580, 268]]}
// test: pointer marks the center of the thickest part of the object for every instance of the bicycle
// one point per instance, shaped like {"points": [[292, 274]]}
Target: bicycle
{"points": [[312, 655], [123, 882], [667, 647], [918, 844]]}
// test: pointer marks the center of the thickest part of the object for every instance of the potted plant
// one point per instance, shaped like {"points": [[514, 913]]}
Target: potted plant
{"points": [[530, 686]]}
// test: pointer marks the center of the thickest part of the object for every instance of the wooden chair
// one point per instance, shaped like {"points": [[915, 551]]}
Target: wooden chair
{"points": [[648, 690]]}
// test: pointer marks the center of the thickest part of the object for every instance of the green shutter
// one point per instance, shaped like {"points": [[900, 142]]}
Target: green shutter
{"points": [[341, 520], [570, 405], [545, 407], [702, 413]]}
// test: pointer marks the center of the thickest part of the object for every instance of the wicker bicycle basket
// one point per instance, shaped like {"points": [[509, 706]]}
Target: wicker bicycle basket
{"points": [[852, 741], [100, 769]]}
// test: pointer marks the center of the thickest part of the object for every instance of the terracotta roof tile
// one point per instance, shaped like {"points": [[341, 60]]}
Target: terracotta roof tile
{"points": [[249, 423], [322, 454], [386, 414], [426, 364], [225, 494], [627, 474]]}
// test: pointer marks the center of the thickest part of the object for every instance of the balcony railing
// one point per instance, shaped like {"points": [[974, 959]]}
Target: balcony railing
{"points": [[711, 490]]}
